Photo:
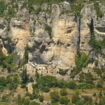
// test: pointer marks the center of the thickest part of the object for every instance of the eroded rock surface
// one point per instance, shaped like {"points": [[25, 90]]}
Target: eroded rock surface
{"points": [[53, 36]]}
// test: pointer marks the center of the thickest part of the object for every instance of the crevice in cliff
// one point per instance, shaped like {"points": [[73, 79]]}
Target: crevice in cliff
{"points": [[92, 27], [79, 34]]}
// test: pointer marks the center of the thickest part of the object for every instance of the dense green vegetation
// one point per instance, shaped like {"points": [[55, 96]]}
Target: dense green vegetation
{"points": [[76, 8], [63, 72], [11, 82], [8, 61], [81, 61], [2, 7], [97, 45], [98, 10]]}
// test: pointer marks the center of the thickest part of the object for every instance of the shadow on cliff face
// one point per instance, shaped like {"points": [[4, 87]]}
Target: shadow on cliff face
{"points": [[101, 29], [2, 26], [37, 59]]}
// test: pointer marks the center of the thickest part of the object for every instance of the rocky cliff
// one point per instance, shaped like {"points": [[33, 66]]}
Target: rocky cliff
{"points": [[53, 35]]}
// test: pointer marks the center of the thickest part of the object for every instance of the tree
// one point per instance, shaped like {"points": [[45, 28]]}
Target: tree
{"points": [[24, 77], [25, 59]]}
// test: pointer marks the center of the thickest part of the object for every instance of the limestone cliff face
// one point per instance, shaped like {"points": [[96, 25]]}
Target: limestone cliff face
{"points": [[53, 36], [19, 33]]}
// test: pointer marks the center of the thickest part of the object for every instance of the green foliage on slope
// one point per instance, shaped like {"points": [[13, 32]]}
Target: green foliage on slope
{"points": [[2, 7], [96, 44], [98, 10]]}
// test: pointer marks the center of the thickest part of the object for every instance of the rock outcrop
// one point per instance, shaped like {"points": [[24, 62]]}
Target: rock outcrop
{"points": [[53, 36]]}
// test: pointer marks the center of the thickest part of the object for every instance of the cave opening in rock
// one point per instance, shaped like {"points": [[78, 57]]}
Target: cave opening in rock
{"points": [[101, 29]]}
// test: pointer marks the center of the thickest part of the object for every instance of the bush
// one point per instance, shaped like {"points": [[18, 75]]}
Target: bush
{"points": [[54, 97], [41, 98], [87, 100], [5, 98], [3, 81], [76, 8], [86, 78], [64, 100], [45, 89], [34, 96], [81, 61], [96, 45], [25, 59], [63, 72], [8, 61], [102, 100], [63, 92], [99, 84], [98, 10], [75, 98], [48, 81], [61, 84], [85, 86], [2, 7], [25, 77], [71, 85]]}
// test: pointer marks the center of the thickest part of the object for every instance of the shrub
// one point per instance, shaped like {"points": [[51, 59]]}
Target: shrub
{"points": [[7, 61], [87, 100], [46, 89], [48, 81], [76, 8], [63, 92], [34, 96], [81, 60], [3, 81], [87, 78], [96, 45], [25, 77], [98, 10], [61, 84], [102, 100], [64, 100], [75, 98], [71, 85], [5, 98], [54, 97], [63, 72], [41, 98], [99, 84], [2, 7], [84, 86]]}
